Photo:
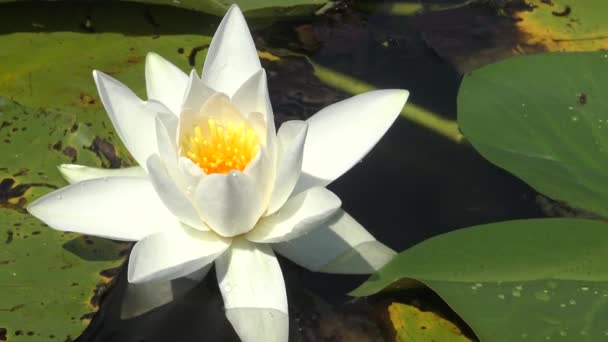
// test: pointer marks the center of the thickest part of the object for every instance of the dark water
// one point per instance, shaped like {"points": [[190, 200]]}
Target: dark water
{"points": [[413, 185]]}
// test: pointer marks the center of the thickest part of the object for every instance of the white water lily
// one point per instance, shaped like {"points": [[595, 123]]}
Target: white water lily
{"points": [[217, 182]]}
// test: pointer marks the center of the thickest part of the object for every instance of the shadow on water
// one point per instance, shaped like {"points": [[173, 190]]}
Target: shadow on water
{"points": [[413, 185]]}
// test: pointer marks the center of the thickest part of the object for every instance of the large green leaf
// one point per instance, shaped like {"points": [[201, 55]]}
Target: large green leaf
{"points": [[252, 8], [544, 118], [50, 282], [535, 279]]}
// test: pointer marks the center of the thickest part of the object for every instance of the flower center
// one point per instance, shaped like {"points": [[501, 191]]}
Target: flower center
{"points": [[221, 147]]}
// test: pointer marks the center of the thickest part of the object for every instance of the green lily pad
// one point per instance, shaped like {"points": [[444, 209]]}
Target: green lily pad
{"points": [[48, 55], [411, 324], [251, 8], [562, 25], [536, 280], [50, 282], [544, 118]]}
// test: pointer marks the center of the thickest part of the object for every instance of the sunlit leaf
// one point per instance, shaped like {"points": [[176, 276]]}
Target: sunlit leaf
{"points": [[562, 25], [544, 118], [252, 8], [537, 280], [50, 282], [411, 324]]}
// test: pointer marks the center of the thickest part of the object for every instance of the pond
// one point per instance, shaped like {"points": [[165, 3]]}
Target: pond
{"points": [[477, 144]]}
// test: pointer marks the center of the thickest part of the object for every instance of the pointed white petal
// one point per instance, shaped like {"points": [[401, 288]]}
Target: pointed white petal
{"points": [[290, 150], [170, 255], [253, 325], [166, 131], [343, 133], [165, 82], [232, 57], [341, 246], [133, 119], [300, 215], [145, 297], [191, 172], [229, 203], [75, 173], [120, 208], [200, 274], [197, 93], [173, 198], [249, 276], [253, 97]]}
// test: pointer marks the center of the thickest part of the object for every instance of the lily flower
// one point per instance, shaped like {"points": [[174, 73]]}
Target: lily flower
{"points": [[218, 184]]}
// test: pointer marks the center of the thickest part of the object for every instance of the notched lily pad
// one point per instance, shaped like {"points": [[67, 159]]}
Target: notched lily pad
{"points": [[50, 281]]}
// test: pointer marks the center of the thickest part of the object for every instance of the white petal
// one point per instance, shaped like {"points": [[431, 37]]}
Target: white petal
{"points": [[229, 203], [200, 274], [341, 246], [120, 208], [133, 119], [170, 255], [290, 150], [232, 57], [166, 131], [300, 215], [343, 133], [173, 198], [75, 173], [165, 82], [196, 94], [142, 298], [191, 172], [249, 276], [253, 325], [253, 97]]}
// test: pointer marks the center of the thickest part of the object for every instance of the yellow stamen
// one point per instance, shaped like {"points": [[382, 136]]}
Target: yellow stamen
{"points": [[221, 147]]}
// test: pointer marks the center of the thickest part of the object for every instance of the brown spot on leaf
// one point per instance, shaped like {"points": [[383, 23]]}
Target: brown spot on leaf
{"points": [[11, 195], [582, 98], [563, 13], [135, 59], [21, 172], [106, 152], [74, 128], [195, 50], [71, 152], [3, 333], [87, 100], [57, 146]]}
